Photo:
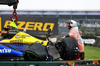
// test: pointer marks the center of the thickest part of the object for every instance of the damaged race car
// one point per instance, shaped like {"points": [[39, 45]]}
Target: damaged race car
{"points": [[66, 49], [27, 47]]}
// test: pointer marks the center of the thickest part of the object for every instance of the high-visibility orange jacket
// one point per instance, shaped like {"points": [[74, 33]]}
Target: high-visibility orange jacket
{"points": [[75, 33]]}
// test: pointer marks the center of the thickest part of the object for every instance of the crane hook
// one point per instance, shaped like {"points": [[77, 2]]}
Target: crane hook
{"points": [[15, 15]]}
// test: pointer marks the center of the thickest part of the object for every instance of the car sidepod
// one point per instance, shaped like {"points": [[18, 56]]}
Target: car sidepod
{"points": [[4, 50]]}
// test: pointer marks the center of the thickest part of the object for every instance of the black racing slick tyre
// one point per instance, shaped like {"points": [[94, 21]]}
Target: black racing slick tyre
{"points": [[69, 48], [35, 52]]}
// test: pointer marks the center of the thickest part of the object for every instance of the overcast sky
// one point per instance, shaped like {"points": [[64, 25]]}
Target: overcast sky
{"points": [[56, 5]]}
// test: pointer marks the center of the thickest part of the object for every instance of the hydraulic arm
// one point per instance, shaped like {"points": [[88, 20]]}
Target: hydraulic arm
{"points": [[10, 3]]}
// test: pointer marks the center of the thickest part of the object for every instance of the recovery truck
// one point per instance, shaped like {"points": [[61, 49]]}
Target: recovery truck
{"points": [[44, 63]]}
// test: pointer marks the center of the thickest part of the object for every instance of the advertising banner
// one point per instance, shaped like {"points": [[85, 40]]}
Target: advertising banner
{"points": [[33, 25]]}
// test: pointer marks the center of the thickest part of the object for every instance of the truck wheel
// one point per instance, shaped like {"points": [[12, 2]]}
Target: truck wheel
{"points": [[70, 48], [35, 51]]}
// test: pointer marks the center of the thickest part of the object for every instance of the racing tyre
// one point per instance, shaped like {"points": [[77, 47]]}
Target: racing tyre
{"points": [[35, 52], [68, 48]]}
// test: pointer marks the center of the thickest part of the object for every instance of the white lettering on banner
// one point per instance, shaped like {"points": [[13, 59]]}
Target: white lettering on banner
{"points": [[89, 41], [5, 50]]}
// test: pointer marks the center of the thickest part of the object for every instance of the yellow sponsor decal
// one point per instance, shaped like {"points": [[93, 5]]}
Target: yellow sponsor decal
{"points": [[71, 63], [29, 25], [32, 25], [7, 23], [38, 25], [48, 24], [0, 25], [20, 25]]}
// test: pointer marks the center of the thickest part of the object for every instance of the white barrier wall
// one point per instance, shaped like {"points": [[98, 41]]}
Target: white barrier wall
{"points": [[89, 41]]}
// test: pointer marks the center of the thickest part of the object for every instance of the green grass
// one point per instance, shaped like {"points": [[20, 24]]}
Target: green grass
{"points": [[92, 52]]}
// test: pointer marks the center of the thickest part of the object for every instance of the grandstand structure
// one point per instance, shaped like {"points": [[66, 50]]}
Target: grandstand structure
{"points": [[88, 21]]}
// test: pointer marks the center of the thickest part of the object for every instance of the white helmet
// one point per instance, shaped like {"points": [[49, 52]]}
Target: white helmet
{"points": [[73, 23]]}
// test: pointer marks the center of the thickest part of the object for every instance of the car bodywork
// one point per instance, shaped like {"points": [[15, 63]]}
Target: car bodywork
{"points": [[17, 44], [31, 48]]}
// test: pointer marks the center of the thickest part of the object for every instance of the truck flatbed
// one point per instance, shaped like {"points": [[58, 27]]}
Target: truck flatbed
{"points": [[51, 63]]}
